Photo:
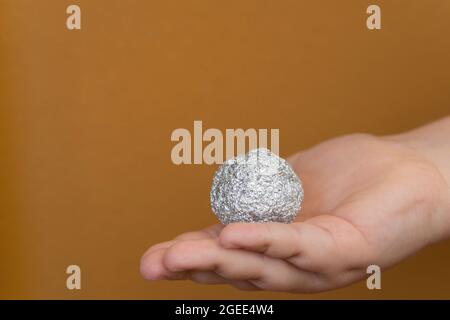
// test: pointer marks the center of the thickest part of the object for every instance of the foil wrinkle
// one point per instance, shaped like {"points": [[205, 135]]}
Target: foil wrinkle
{"points": [[256, 187]]}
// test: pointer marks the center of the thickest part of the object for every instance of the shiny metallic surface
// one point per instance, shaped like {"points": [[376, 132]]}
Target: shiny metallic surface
{"points": [[256, 187]]}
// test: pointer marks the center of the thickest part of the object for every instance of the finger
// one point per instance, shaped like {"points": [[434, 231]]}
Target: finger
{"points": [[210, 277], [312, 245], [329, 244], [210, 232], [284, 276], [260, 271], [207, 277], [208, 255], [277, 240], [162, 245], [152, 268], [244, 285], [214, 230]]}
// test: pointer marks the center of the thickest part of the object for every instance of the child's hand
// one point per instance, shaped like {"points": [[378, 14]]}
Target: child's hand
{"points": [[367, 201]]}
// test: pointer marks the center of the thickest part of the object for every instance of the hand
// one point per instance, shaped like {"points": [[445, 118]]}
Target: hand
{"points": [[368, 200]]}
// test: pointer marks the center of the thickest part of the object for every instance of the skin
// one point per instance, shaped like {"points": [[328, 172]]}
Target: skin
{"points": [[368, 200]]}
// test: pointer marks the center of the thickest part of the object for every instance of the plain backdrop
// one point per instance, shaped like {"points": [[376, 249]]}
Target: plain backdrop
{"points": [[86, 117]]}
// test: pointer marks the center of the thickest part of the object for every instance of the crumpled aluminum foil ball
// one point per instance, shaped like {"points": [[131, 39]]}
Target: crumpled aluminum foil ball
{"points": [[256, 187]]}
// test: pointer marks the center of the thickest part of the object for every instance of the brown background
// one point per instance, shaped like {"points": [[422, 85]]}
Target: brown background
{"points": [[86, 117]]}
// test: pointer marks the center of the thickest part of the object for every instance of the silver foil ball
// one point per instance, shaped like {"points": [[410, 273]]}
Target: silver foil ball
{"points": [[256, 187]]}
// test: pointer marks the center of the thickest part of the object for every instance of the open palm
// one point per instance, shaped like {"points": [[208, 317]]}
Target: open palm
{"points": [[368, 200]]}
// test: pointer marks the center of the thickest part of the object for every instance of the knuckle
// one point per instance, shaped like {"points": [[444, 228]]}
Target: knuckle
{"points": [[238, 234], [175, 256]]}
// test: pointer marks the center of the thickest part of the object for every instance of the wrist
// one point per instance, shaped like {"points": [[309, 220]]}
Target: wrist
{"points": [[432, 143]]}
